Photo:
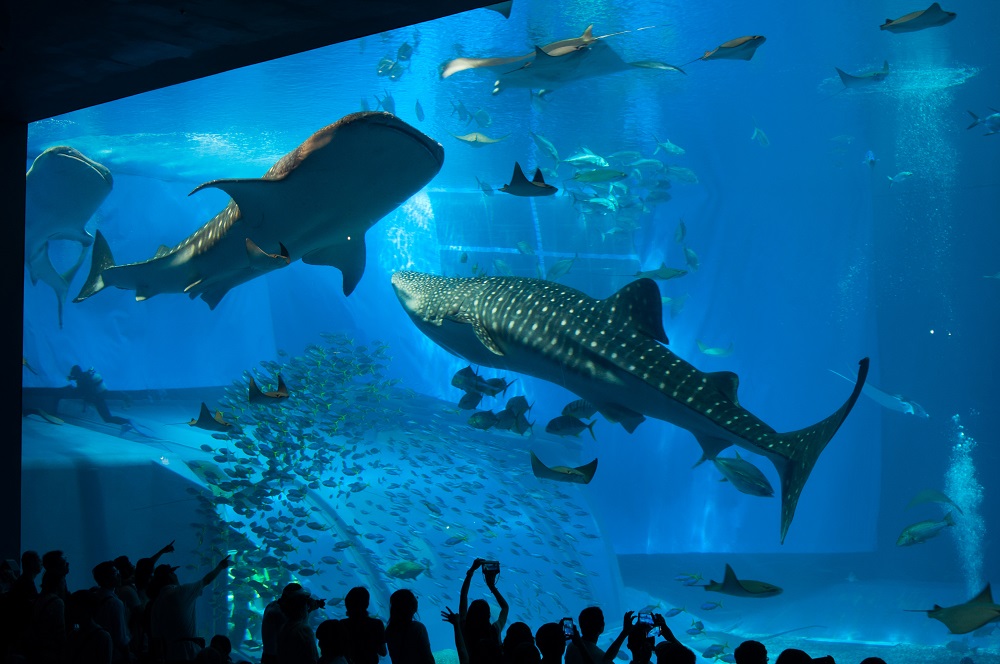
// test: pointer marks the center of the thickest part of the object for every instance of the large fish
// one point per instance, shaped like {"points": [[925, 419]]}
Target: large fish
{"points": [[63, 189], [894, 402], [315, 203], [741, 48], [614, 354], [931, 17]]}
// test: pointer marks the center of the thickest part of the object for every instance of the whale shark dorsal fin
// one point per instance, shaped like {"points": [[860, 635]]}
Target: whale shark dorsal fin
{"points": [[538, 177], [640, 302], [161, 251], [985, 597], [726, 382], [588, 34]]}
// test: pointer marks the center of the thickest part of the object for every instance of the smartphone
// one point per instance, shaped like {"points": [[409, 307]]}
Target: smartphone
{"points": [[567, 627], [653, 633], [491, 567], [645, 619]]}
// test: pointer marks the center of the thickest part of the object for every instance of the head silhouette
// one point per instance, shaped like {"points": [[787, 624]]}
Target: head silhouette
{"points": [[793, 656], [750, 652], [356, 602], [591, 623], [402, 606], [668, 652], [551, 642]]}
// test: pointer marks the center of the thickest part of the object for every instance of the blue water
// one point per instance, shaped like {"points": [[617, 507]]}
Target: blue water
{"points": [[808, 261]]}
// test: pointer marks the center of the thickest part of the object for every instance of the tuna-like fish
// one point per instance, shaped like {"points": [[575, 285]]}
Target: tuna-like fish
{"points": [[614, 354], [920, 532]]}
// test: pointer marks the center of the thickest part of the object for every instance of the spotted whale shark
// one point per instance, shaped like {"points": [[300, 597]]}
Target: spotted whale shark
{"points": [[613, 353], [315, 203]]}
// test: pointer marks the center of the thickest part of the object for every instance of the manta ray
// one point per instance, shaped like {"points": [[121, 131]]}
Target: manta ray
{"points": [[521, 186], [63, 189], [209, 422], [894, 402], [614, 354], [932, 17], [862, 80], [742, 587], [579, 475], [314, 204], [967, 617], [258, 397], [555, 64], [741, 48]]}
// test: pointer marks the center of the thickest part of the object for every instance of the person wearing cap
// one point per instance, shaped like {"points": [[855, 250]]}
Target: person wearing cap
{"points": [[110, 612], [296, 640], [173, 623], [273, 620]]}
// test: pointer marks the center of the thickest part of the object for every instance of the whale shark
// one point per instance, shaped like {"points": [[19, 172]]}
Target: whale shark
{"points": [[613, 353], [63, 189], [314, 204]]}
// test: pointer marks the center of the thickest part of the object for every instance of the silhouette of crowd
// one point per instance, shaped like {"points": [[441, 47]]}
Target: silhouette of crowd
{"points": [[141, 613]]}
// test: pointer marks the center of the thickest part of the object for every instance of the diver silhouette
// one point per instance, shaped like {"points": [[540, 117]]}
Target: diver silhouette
{"points": [[91, 390]]}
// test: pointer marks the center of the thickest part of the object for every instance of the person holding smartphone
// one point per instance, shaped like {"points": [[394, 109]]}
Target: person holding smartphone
{"points": [[670, 649], [591, 627], [482, 638]]}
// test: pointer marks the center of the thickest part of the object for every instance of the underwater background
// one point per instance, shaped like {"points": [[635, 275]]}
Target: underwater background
{"points": [[800, 260]]}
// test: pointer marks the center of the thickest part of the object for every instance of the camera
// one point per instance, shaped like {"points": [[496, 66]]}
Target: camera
{"points": [[567, 627], [491, 567]]}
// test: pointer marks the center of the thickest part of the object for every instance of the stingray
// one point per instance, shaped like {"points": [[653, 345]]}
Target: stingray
{"points": [[742, 587], [967, 617], [741, 48], [63, 189], [862, 80], [932, 17], [256, 396], [478, 140], [209, 422], [315, 203], [520, 186], [555, 64], [579, 475]]}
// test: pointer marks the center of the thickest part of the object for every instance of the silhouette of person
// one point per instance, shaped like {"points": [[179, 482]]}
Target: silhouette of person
{"points": [[750, 652], [365, 634], [482, 638], [172, 610], [91, 390], [334, 637], [591, 626], [793, 656], [405, 637], [110, 612]]}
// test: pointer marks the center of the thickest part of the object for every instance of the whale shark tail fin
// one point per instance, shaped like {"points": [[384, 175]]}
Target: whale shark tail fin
{"points": [[100, 261], [798, 451]]}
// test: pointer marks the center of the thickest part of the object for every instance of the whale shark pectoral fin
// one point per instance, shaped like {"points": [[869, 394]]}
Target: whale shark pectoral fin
{"points": [[726, 382], [639, 302], [710, 448], [101, 260], [484, 338], [349, 258], [251, 195], [617, 414]]}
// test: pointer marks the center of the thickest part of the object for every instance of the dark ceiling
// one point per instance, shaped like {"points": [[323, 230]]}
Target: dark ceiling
{"points": [[58, 56]]}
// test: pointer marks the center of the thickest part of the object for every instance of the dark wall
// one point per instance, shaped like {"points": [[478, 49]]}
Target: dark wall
{"points": [[13, 140]]}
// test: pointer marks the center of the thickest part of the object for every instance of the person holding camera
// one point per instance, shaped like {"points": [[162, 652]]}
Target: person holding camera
{"points": [[296, 640], [276, 615], [482, 638], [591, 627], [670, 650]]}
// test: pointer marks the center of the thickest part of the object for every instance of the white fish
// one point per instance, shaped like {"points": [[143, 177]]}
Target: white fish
{"points": [[899, 177]]}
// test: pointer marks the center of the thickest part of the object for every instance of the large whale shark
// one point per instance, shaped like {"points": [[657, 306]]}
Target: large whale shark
{"points": [[63, 189], [614, 354], [315, 203]]}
